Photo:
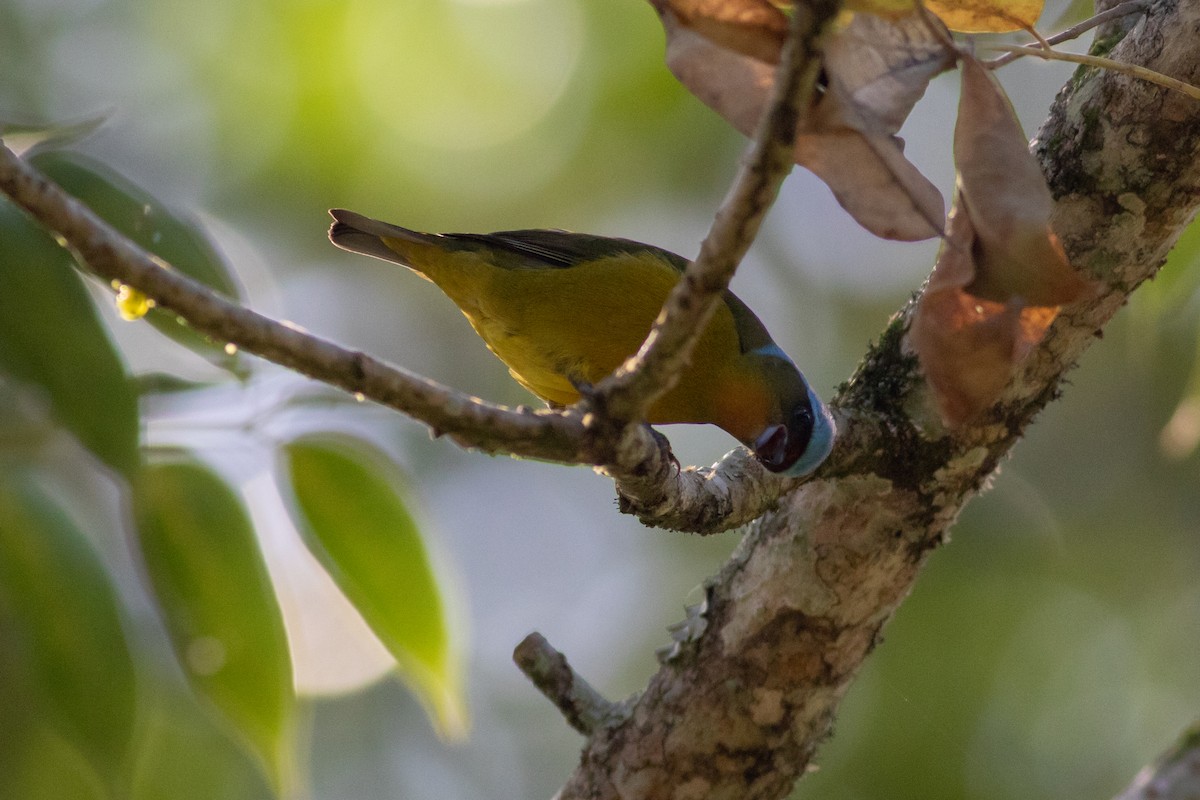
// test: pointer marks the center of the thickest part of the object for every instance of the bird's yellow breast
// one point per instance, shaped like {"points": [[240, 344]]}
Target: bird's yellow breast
{"points": [[555, 327]]}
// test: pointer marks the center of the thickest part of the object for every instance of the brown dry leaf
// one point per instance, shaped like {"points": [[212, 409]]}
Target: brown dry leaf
{"points": [[874, 182], [1001, 276], [734, 85], [1016, 253], [967, 16], [969, 347], [754, 28], [987, 16], [877, 69]]}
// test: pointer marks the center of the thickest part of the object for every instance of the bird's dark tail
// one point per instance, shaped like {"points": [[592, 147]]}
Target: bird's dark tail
{"points": [[359, 234]]}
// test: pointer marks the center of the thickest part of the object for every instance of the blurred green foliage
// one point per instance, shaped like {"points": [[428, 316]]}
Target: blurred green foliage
{"points": [[52, 337], [348, 501], [1048, 651], [202, 561], [65, 666]]}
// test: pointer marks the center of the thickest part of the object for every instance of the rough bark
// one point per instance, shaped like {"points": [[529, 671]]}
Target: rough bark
{"points": [[738, 710]]}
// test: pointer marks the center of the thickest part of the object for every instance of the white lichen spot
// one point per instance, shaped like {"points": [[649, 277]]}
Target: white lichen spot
{"points": [[360, 397], [231, 349]]}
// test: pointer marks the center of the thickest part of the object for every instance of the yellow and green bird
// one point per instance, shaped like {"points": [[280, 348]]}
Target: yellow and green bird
{"points": [[563, 310]]}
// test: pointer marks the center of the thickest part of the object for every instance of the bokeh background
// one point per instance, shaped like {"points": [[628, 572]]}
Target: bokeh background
{"points": [[1050, 650]]}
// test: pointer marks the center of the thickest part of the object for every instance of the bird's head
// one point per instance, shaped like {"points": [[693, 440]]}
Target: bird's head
{"points": [[800, 431]]}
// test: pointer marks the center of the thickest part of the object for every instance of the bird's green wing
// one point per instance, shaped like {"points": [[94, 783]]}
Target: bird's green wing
{"points": [[553, 249]]}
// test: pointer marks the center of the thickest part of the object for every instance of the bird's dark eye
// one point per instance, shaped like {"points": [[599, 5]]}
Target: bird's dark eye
{"points": [[801, 427]]}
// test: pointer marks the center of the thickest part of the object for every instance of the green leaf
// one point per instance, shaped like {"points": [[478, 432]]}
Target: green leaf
{"points": [[212, 587], [350, 505], [36, 764], [50, 336], [183, 756], [172, 237], [164, 383], [65, 667]]}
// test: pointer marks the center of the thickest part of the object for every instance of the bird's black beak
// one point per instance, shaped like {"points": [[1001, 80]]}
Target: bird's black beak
{"points": [[772, 449]]}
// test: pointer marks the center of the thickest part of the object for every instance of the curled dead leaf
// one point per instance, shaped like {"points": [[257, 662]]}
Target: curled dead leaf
{"points": [[731, 83], [1002, 275], [1016, 254], [969, 346], [874, 182], [879, 68]]}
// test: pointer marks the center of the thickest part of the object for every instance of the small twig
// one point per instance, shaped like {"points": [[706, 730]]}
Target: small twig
{"points": [[1075, 31], [585, 709], [1132, 70]]}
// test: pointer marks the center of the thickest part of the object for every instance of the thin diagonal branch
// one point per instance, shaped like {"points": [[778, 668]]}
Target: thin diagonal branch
{"points": [[540, 434], [655, 368], [1103, 63]]}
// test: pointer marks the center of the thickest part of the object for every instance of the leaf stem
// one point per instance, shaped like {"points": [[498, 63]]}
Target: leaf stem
{"points": [[1075, 31], [1132, 70]]}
